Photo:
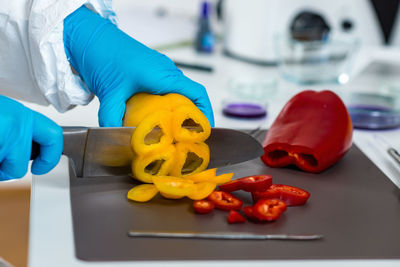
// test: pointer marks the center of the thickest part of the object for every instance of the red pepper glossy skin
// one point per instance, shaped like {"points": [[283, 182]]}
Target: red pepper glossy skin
{"points": [[235, 217], [291, 195], [248, 211], [268, 209], [312, 131], [271, 192], [203, 206], [225, 201], [248, 184]]}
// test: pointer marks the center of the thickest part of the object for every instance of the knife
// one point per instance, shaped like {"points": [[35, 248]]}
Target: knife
{"points": [[97, 152], [223, 235]]}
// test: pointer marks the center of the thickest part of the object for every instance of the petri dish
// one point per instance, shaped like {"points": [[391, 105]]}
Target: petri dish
{"points": [[374, 111], [244, 110], [248, 96]]}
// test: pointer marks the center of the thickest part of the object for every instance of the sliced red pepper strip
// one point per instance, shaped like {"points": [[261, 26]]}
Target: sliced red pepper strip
{"points": [[312, 131], [291, 195], [225, 201], [248, 184], [203, 206], [268, 209], [235, 217], [271, 192], [248, 211]]}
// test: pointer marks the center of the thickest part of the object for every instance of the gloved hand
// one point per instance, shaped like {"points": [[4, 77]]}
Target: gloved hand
{"points": [[19, 126], [115, 66]]}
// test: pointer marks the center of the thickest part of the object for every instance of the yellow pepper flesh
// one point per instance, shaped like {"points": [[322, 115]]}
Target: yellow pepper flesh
{"points": [[140, 106], [203, 190], [168, 145], [169, 196], [190, 158], [177, 100], [190, 125], [204, 176], [174, 185], [223, 178], [153, 134], [142, 193], [144, 168]]}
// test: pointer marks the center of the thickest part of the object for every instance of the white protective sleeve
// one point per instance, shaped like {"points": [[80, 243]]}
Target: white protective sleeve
{"points": [[33, 63]]}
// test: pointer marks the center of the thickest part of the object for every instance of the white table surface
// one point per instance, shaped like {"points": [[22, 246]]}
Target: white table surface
{"points": [[51, 236]]}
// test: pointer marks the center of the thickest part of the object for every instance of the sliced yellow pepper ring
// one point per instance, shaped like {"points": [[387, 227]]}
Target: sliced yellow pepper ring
{"points": [[204, 176], [140, 106], [153, 134], [174, 186], [203, 190], [169, 196], [144, 168], [223, 178], [142, 193], [190, 158], [190, 125]]}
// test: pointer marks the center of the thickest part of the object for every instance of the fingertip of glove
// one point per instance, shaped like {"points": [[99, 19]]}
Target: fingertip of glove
{"points": [[109, 122], [211, 120], [40, 167], [111, 115]]}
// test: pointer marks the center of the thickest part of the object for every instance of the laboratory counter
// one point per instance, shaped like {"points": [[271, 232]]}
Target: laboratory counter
{"points": [[51, 241]]}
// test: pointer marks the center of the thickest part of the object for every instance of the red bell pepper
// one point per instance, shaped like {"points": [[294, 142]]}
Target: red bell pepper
{"points": [[248, 211], [203, 206], [248, 184], [271, 192], [312, 131], [291, 195], [268, 209], [225, 201], [235, 217]]}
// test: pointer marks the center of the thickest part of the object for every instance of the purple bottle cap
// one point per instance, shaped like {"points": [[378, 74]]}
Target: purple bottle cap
{"points": [[244, 110], [205, 9]]}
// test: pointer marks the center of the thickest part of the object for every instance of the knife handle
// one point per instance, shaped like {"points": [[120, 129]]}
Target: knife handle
{"points": [[35, 150]]}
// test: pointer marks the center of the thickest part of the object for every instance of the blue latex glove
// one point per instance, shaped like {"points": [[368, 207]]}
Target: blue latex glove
{"points": [[19, 126], [115, 66]]}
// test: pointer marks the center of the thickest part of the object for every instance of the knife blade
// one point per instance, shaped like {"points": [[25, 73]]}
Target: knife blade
{"points": [[97, 152], [223, 235]]}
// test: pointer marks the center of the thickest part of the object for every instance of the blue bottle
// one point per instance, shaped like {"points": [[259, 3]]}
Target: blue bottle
{"points": [[205, 39]]}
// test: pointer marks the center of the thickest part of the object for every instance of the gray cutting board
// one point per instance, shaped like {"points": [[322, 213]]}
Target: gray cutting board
{"points": [[353, 204]]}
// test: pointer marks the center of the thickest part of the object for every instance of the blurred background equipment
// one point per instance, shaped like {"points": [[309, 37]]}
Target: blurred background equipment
{"points": [[205, 39], [251, 27]]}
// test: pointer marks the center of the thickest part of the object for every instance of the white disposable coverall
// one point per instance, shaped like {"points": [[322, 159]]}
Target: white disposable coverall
{"points": [[33, 64]]}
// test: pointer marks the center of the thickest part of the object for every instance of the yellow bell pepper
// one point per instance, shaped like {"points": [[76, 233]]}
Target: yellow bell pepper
{"points": [[169, 196], [211, 176], [189, 124], [176, 100], [190, 158], [145, 167], [168, 140], [142, 193], [174, 186], [203, 190], [140, 106], [204, 176], [153, 134], [223, 178]]}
